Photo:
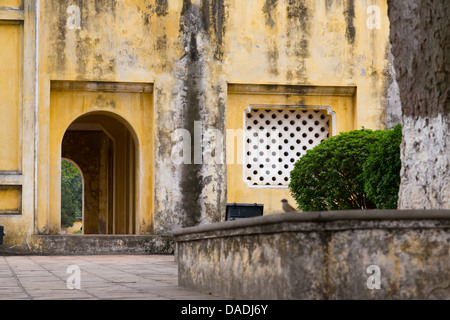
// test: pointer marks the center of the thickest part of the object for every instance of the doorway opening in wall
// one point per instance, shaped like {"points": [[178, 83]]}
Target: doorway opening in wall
{"points": [[72, 192], [104, 149]]}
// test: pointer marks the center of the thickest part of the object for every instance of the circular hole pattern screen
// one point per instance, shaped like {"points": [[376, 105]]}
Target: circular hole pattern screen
{"points": [[276, 138]]}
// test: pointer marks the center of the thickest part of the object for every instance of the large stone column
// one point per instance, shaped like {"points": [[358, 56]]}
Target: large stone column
{"points": [[420, 38]]}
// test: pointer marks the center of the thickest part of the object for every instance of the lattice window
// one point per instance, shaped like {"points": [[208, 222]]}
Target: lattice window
{"points": [[276, 138]]}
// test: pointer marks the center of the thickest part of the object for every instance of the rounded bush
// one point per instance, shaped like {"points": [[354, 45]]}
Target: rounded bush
{"points": [[381, 171], [330, 176]]}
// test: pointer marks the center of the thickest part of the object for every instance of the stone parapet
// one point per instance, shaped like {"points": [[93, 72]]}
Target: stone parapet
{"points": [[322, 255]]}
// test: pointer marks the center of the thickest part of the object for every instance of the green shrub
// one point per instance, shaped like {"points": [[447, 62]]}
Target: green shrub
{"points": [[381, 171], [330, 176], [71, 194]]}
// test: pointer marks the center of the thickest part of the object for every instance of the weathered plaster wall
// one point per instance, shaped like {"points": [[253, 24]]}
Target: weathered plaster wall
{"points": [[313, 42], [9, 199], [190, 51], [11, 3], [10, 100], [132, 118], [320, 256], [17, 125], [240, 98], [196, 194]]}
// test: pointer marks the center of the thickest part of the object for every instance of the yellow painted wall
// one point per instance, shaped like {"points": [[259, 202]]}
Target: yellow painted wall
{"points": [[134, 110], [319, 53], [312, 49], [9, 200], [190, 52], [10, 96], [17, 83], [11, 3], [238, 190]]}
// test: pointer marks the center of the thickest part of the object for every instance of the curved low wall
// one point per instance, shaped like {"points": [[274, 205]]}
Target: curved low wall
{"points": [[324, 255]]}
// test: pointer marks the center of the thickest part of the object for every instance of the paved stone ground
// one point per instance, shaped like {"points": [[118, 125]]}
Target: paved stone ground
{"points": [[148, 277]]}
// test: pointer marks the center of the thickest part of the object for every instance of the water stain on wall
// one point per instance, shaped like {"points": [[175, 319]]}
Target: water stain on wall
{"points": [[198, 22], [161, 7], [349, 13], [269, 11], [299, 30]]}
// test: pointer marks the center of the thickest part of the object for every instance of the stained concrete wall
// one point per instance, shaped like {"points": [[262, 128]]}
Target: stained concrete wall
{"points": [[191, 50], [320, 256], [188, 51]]}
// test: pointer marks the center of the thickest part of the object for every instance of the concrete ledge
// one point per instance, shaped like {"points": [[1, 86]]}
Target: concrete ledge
{"points": [[93, 245], [349, 216], [320, 221], [321, 255]]}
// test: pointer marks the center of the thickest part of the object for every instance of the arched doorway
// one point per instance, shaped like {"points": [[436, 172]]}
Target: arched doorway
{"points": [[105, 150]]}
